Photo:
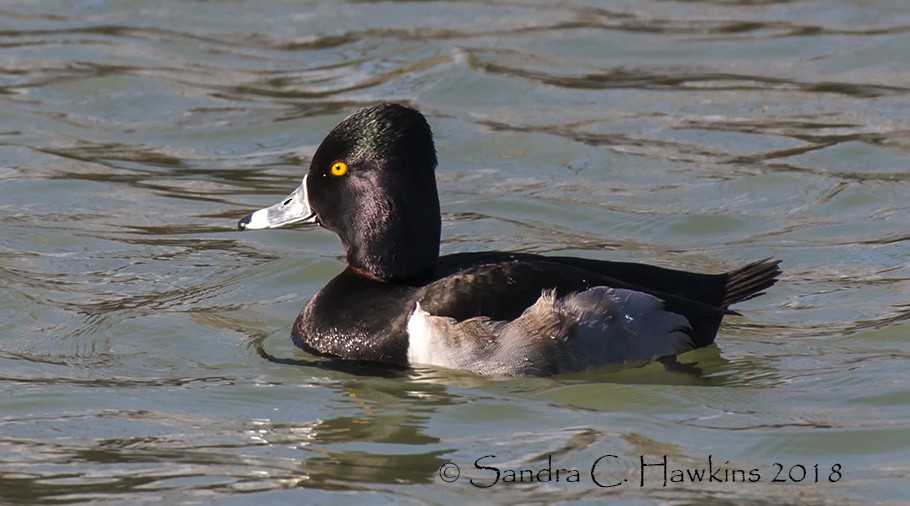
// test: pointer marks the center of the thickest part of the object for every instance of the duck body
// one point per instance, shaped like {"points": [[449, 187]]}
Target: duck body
{"points": [[398, 302]]}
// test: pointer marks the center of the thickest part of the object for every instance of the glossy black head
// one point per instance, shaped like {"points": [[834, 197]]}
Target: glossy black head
{"points": [[372, 182]]}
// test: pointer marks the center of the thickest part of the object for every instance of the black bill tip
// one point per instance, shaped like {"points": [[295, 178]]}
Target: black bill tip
{"points": [[244, 222]]}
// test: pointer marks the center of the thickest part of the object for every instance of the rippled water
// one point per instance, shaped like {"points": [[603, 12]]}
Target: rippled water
{"points": [[690, 134]]}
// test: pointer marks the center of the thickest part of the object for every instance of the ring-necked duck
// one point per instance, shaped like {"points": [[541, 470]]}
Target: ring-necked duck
{"points": [[398, 302]]}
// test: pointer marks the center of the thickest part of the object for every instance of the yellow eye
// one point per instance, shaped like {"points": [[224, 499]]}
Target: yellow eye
{"points": [[339, 169]]}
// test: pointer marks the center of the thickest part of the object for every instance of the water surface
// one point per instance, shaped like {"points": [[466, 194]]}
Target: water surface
{"points": [[694, 135]]}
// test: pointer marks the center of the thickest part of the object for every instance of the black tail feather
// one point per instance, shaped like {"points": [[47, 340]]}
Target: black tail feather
{"points": [[749, 281]]}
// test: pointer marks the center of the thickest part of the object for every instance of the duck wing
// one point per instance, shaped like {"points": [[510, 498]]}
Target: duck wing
{"points": [[720, 290], [501, 286]]}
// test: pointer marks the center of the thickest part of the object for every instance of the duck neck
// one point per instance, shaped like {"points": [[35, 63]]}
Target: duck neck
{"points": [[400, 244]]}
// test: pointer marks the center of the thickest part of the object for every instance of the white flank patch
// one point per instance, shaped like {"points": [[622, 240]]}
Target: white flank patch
{"points": [[425, 345]]}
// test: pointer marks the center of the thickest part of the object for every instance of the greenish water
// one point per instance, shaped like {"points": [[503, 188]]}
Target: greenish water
{"points": [[695, 135]]}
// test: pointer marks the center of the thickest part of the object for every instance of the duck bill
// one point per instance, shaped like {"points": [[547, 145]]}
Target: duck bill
{"points": [[293, 209]]}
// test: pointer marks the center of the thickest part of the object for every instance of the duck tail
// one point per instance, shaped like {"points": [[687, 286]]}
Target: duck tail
{"points": [[749, 281]]}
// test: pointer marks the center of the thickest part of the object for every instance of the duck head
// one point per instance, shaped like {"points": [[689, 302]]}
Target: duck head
{"points": [[372, 182]]}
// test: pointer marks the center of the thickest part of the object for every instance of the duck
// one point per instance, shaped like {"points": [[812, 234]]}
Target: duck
{"points": [[399, 303]]}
